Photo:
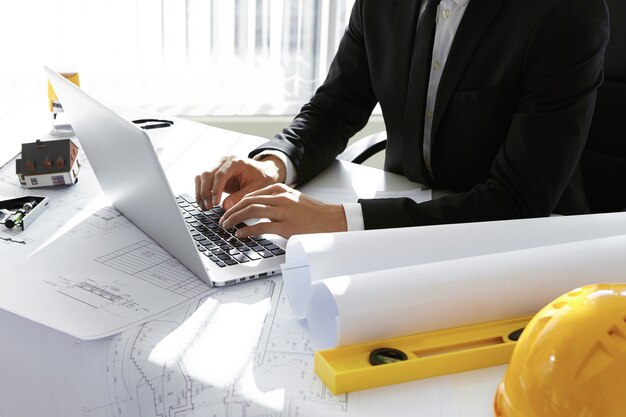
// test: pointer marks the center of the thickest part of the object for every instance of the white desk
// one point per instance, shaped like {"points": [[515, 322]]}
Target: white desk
{"points": [[238, 352]]}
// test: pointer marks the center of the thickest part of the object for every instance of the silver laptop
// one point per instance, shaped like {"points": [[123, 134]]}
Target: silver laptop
{"points": [[127, 167]]}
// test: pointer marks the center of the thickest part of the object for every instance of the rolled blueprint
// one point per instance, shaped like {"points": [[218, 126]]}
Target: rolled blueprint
{"points": [[314, 257], [396, 302]]}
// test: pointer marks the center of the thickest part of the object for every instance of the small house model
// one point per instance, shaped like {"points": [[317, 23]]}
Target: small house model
{"points": [[48, 163]]}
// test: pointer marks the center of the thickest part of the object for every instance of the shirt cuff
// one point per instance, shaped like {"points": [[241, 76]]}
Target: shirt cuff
{"points": [[291, 176], [354, 216]]}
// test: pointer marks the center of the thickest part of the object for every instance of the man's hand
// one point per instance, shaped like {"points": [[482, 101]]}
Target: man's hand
{"points": [[290, 212], [237, 177]]}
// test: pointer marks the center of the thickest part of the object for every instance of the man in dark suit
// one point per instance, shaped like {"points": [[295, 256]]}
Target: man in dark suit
{"points": [[498, 112]]}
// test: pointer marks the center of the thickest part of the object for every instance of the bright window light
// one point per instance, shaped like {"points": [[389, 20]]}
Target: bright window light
{"points": [[184, 57]]}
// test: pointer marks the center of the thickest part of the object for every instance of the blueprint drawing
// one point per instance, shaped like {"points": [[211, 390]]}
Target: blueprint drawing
{"points": [[236, 352]]}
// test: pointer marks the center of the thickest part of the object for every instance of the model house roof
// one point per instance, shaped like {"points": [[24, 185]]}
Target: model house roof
{"points": [[46, 157]]}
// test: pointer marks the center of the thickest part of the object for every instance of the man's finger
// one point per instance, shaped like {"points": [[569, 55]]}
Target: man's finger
{"points": [[247, 212], [198, 182], [223, 174], [272, 189], [262, 228], [206, 184], [269, 201], [254, 211], [233, 199]]}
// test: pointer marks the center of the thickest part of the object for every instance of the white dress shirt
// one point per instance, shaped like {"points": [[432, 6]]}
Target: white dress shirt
{"points": [[449, 15]]}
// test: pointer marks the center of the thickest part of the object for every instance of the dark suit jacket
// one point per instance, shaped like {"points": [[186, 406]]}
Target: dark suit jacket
{"points": [[512, 114]]}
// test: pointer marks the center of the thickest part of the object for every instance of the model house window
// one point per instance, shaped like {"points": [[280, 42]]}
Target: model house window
{"points": [[60, 162], [185, 57], [47, 163]]}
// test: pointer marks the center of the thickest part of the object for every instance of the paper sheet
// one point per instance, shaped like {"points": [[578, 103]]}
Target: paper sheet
{"points": [[102, 277], [193, 362], [105, 275], [314, 257], [441, 295]]}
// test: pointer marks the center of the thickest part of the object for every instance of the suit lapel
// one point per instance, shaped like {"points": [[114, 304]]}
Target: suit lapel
{"points": [[407, 14], [475, 22], [404, 24]]}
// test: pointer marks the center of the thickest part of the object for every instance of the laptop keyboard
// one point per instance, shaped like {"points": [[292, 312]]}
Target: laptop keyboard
{"points": [[218, 244]]}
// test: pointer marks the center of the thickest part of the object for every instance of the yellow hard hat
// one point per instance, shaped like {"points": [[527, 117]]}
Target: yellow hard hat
{"points": [[571, 359]]}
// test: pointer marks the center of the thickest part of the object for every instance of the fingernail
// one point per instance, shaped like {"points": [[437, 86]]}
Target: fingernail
{"points": [[238, 233], [215, 200], [206, 203]]}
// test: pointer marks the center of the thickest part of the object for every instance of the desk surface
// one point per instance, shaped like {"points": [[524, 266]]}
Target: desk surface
{"points": [[236, 352]]}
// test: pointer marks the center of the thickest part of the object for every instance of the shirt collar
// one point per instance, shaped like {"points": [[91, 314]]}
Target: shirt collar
{"points": [[461, 3]]}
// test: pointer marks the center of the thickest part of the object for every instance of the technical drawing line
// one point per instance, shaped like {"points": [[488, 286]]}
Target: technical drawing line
{"points": [[78, 299], [149, 262], [11, 240]]}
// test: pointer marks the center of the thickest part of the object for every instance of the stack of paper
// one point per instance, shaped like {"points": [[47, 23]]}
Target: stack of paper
{"points": [[354, 287]]}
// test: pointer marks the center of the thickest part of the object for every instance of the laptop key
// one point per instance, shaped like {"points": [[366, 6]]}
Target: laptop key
{"points": [[252, 255], [278, 251], [230, 262], [266, 254], [220, 264], [241, 258]]}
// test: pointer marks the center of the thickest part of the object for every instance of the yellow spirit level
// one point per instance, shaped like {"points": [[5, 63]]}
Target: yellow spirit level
{"points": [[424, 355]]}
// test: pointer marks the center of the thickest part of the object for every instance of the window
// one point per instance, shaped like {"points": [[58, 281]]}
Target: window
{"points": [[60, 162], [186, 57], [47, 163]]}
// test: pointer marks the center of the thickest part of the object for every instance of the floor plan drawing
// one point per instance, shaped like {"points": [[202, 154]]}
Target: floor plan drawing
{"points": [[141, 387], [151, 263], [236, 352]]}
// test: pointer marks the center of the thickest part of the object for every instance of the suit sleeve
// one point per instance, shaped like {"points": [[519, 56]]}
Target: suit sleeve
{"points": [[340, 108], [546, 136]]}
